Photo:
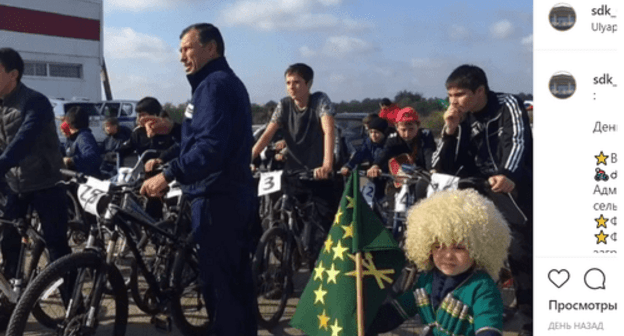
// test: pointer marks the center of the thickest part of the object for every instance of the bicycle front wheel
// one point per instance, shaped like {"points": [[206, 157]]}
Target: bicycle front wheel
{"points": [[272, 275], [73, 276], [189, 310]]}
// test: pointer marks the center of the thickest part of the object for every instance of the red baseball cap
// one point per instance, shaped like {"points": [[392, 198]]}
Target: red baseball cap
{"points": [[407, 114]]}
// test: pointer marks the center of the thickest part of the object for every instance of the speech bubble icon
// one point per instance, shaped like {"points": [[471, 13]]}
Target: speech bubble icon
{"points": [[595, 279]]}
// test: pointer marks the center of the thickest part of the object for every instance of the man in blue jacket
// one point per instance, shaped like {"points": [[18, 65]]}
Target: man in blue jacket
{"points": [[30, 162], [213, 168], [82, 152]]}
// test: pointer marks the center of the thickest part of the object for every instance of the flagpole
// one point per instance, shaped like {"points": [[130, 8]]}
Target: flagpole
{"points": [[355, 176], [360, 297]]}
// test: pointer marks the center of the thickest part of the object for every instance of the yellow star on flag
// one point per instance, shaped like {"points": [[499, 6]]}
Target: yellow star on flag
{"points": [[602, 221], [339, 250], [338, 216], [328, 244], [320, 295], [332, 274], [601, 158], [350, 204], [336, 328], [602, 237], [323, 320], [348, 231], [318, 271]]}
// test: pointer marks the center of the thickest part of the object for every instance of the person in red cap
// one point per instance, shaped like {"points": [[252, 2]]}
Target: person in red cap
{"points": [[412, 140], [388, 111]]}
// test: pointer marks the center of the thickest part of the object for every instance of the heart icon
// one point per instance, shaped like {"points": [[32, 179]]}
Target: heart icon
{"points": [[558, 278]]}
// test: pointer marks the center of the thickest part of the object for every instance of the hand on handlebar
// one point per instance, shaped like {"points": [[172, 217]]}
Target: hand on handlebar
{"points": [[373, 172], [155, 186], [344, 171], [501, 184], [152, 164], [323, 172]]}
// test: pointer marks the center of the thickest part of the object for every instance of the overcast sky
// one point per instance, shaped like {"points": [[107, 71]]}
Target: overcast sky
{"points": [[358, 49]]}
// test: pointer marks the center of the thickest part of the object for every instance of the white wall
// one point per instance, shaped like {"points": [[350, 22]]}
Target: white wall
{"points": [[54, 49]]}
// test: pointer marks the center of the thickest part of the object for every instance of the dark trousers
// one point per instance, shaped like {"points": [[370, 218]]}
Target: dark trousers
{"points": [[222, 230], [520, 258], [51, 206]]}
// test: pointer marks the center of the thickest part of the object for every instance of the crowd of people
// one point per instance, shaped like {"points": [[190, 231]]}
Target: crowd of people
{"points": [[486, 135]]}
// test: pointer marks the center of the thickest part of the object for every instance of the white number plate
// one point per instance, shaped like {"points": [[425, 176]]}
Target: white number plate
{"points": [[91, 192], [270, 182], [368, 191], [441, 182]]}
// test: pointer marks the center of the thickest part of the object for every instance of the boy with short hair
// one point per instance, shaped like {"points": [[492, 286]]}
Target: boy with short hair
{"points": [[148, 109], [459, 240], [412, 140], [488, 135], [372, 147], [82, 152], [388, 110], [116, 134]]}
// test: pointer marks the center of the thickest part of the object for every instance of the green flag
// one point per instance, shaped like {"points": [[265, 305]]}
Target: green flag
{"points": [[328, 303]]}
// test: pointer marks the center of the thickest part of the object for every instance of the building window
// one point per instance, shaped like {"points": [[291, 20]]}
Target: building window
{"points": [[35, 69], [65, 70], [59, 70]]}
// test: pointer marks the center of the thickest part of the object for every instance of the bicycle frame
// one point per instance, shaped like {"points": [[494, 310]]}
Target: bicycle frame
{"points": [[13, 291]]}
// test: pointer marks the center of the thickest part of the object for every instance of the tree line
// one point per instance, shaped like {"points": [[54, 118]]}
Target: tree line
{"points": [[430, 110]]}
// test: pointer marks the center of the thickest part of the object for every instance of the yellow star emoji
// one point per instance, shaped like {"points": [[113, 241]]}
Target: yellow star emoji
{"points": [[332, 274], [336, 328], [323, 320], [350, 204], [348, 231], [318, 271], [601, 221], [602, 237], [339, 251], [328, 244], [320, 295], [601, 158], [338, 216]]}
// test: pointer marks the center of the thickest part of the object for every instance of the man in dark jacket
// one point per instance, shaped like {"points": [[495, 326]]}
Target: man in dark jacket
{"points": [[139, 140], [116, 135], [213, 168], [30, 162], [488, 135], [82, 152]]}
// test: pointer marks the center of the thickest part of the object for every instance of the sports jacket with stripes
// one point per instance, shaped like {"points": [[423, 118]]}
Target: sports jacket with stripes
{"points": [[496, 140]]}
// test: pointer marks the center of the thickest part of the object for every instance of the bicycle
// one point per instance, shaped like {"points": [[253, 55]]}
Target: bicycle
{"points": [[82, 283], [33, 257], [288, 244]]}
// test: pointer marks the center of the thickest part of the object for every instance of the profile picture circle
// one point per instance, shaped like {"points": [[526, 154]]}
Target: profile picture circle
{"points": [[562, 85], [562, 17]]}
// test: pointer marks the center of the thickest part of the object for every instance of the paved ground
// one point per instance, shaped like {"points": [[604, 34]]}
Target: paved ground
{"points": [[139, 323]]}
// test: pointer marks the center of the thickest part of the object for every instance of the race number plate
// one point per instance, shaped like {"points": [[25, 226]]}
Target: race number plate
{"points": [[270, 182], [368, 191], [400, 199], [90, 193], [441, 182]]}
